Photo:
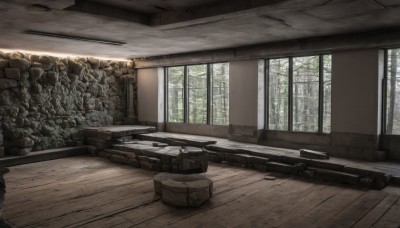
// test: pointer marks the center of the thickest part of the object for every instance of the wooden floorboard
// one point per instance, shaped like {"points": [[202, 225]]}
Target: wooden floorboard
{"points": [[94, 192]]}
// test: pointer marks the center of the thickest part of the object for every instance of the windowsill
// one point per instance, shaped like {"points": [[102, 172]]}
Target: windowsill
{"points": [[299, 132]]}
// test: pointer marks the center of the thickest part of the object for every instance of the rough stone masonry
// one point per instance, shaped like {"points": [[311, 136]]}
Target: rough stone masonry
{"points": [[45, 100]]}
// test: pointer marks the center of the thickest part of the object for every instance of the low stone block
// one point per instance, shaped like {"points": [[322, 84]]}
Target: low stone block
{"points": [[199, 192], [183, 190], [381, 181], [149, 163], [134, 162], [236, 158], [175, 193], [93, 150], [104, 154], [280, 167], [335, 176], [119, 159], [214, 157], [313, 154], [192, 160], [100, 144]]}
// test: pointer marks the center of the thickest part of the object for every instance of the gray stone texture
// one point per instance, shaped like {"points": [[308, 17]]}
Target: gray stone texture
{"points": [[183, 190], [45, 101]]}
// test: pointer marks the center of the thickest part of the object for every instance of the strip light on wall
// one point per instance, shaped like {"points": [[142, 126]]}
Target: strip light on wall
{"points": [[60, 55], [69, 37]]}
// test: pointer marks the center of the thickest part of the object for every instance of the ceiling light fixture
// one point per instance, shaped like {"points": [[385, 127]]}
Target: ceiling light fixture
{"points": [[70, 37]]}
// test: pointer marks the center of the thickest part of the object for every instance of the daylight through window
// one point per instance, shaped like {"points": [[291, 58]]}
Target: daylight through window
{"points": [[299, 90], [198, 94], [393, 92]]}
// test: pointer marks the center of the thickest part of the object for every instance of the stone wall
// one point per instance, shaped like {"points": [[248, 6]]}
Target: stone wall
{"points": [[45, 100]]}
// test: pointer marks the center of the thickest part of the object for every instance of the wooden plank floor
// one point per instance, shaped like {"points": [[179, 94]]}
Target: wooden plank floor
{"points": [[93, 192]]}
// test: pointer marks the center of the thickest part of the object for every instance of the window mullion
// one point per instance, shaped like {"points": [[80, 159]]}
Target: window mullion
{"points": [[166, 94], [290, 103], [384, 93], [209, 95], [321, 95], [266, 91], [186, 96]]}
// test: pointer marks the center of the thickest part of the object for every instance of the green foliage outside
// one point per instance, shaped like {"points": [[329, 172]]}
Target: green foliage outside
{"points": [[305, 94], [393, 93], [197, 77]]}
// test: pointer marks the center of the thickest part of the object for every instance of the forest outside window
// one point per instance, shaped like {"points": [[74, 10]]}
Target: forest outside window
{"points": [[198, 94], [299, 94], [392, 98]]}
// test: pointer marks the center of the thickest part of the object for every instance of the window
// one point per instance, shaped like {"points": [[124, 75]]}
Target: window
{"points": [[392, 82], [278, 94], [220, 93], [197, 90], [198, 94], [175, 94], [299, 94]]}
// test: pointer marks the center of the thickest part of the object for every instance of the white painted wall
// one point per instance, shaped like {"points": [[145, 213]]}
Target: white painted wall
{"points": [[246, 89], [151, 94], [356, 91]]}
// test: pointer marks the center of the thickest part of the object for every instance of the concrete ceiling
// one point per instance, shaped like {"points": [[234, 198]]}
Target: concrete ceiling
{"points": [[162, 27]]}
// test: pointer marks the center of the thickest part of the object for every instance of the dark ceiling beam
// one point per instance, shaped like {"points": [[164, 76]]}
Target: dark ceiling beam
{"points": [[90, 7], [214, 11], [388, 38]]}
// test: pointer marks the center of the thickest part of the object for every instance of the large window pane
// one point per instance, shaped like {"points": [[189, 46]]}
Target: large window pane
{"points": [[278, 94], [220, 93], [175, 94], [327, 70], [393, 93], [197, 93], [305, 93]]}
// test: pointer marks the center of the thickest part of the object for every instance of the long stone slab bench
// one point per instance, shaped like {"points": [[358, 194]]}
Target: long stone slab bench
{"points": [[100, 138], [290, 163], [178, 139], [44, 155], [148, 153], [285, 161], [153, 156]]}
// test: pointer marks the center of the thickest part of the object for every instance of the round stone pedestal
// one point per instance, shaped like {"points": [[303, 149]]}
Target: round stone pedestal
{"points": [[183, 190]]}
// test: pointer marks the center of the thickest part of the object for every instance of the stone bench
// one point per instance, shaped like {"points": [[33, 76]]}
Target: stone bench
{"points": [[150, 156], [182, 190]]}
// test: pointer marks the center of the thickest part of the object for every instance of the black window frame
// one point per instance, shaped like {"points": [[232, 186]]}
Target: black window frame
{"points": [[290, 93], [209, 111]]}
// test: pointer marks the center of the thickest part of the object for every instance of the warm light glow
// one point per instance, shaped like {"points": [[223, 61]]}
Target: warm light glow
{"points": [[61, 55]]}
